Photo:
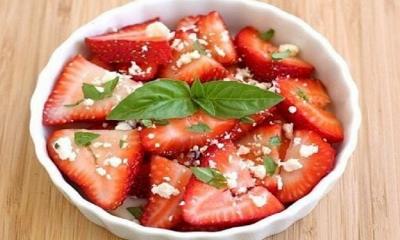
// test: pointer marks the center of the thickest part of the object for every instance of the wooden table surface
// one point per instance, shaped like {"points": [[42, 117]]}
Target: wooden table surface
{"points": [[365, 204]]}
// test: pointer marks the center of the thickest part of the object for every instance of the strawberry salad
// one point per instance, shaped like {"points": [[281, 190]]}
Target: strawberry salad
{"points": [[191, 129]]}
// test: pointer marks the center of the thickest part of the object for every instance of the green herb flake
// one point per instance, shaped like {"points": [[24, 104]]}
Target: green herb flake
{"points": [[146, 123], [85, 138], [122, 143], [137, 212], [210, 176], [198, 47], [199, 128], [74, 104], [275, 141], [57, 146], [302, 94], [247, 120], [162, 122], [267, 35], [93, 92], [270, 165], [280, 55]]}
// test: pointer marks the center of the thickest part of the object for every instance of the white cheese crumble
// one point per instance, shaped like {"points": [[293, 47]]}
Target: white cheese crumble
{"points": [[266, 150], [113, 161], [145, 48], [288, 130], [297, 141], [308, 150], [292, 109], [158, 29], [259, 171], [219, 51], [291, 165], [225, 36], [99, 89], [151, 135], [187, 58], [63, 147], [212, 164], [88, 102], [291, 48], [279, 182], [259, 201], [136, 70], [157, 145], [165, 190], [231, 179], [101, 171], [178, 44], [123, 126], [243, 150]]}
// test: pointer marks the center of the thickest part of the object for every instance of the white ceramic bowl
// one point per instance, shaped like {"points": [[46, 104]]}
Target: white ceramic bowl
{"points": [[331, 69]]}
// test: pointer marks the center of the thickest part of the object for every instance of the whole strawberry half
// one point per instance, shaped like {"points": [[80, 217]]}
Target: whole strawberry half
{"points": [[66, 102], [305, 103], [316, 159], [137, 43], [257, 53], [180, 135], [163, 209], [102, 171]]}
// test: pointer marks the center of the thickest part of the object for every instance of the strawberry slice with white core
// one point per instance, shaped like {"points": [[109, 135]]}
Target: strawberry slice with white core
{"points": [[147, 42], [308, 159], [66, 102], [102, 171], [180, 135], [168, 180], [305, 103], [208, 206]]}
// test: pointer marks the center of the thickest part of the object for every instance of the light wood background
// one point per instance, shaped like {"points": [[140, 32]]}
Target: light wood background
{"points": [[365, 204]]}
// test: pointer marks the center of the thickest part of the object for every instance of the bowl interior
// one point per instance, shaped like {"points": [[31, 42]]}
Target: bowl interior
{"points": [[331, 69]]}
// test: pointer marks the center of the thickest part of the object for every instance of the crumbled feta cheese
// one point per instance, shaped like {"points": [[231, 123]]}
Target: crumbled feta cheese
{"points": [[259, 171], [291, 165], [99, 89], [279, 182], [220, 145], [63, 147], [225, 36], [212, 164], [297, 141], [242, 74], [97, 144], [243, 150], [145, 48], [219, 51], [158, 29], [193, 37], [202, 41], [167, 179], [136, 70], [181, 203], [231, 179], [259, 201], [108, 176], [157, 145], [151, 135], [88, 102], [107, 145], [178, 44], [123, 126], [266, 150], [113, 161], [292, 109], [165, 190], [189, 27], [293, 49], [308, 150], [203, 148], [187, 58], [101, 171], [288, 130], [242, 190]]}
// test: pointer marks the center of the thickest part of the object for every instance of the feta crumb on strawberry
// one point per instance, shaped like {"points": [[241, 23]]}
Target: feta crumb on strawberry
{"points": [[212, 164], [292, 109], [308, 150], [193, 37], [63, 147], [291, 48], [288, 130], [178, 44], [259, 171], [259, 201], [266, 150], [225, 36], [187, 58], [101, 171], [123, 126], [219, 51], [157, 145], [243, 150], [113, 161], [165, 190], [297, 141], [145, 48], [151, 136], [167, 179], [279, 182], [88, 102], [291, 165], [136, 70], [231, 179], [158, 29]]}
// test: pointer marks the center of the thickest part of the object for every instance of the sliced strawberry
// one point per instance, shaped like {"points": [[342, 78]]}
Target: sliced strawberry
{"points": [[213, 30], [300, 182], [65, 103], [176, 137], [188, 24], [164, 211], [96, 60], [223, 156], [139, 72], [256, 54], [308, 100], [132, 43], [209, 206], [103, 171], [141, 185]]}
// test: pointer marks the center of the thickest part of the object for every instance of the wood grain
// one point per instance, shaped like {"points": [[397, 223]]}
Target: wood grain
{"points": [[365, 204]]}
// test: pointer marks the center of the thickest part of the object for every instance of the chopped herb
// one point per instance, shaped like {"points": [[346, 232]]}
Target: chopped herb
{"points": [[146, 123], [122, 143], [267, 35], [92, 91], [197, 46], [199, 128], [210, 176], [275, 141], [57, 146], [270, 165], [137, 212], [161, 122], [280, 55], [85, 138], [247, 119], [302, 94], [74, 104]]}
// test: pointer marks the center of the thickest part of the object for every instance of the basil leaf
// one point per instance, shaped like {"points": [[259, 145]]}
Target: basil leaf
{"points": [[210, 176], [247, 120], [161, 122], [267, 35], [225, 99], [275, 141], [137, 212], [197, 89], [93, 92], [160, 99], [85, 138], [270, 165], [280, 55], [199, 128]]}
